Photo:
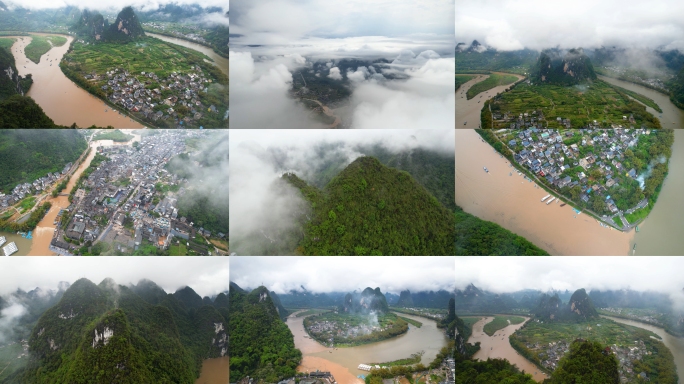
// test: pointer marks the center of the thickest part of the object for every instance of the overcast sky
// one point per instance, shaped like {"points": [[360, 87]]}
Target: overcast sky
{"points": [[509, 274], [344, 274], [302, 140], [113, 4], [295, 22], [538, 24], [206, 275]]}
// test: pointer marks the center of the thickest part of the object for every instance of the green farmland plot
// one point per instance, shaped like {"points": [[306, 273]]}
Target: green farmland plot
{"points": [[582, 105], [88, 64]]}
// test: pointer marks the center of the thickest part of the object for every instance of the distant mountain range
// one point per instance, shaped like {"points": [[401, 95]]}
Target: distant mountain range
{"points": [[132, 334], [579, 308]]}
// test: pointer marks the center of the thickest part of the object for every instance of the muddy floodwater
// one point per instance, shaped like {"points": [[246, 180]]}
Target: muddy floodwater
{"points": [[671, 117], [43, 233], [498, 346], [515, 204], [61, 99], [214, 371], [661, 232], [468, 111], [220, 61], [23, 244], [343, 362], [673, 343]]}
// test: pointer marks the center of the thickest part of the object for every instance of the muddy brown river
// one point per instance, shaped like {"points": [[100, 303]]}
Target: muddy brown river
{"points": [[498, 346], [515, 204], [214, 371], [343, 362], [468, 111], [43, 233], [219, 61], [671, 117], [673, 343], [61, 99]]}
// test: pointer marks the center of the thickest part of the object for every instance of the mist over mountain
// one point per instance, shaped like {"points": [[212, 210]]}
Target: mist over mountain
{"points": [[128, 331], [579, 308], [563, 67], [93, 26], [369, 300], [20, 310]]}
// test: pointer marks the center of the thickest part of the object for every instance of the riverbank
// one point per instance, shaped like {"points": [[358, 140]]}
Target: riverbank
{"points": [[514, 203], [498, 346], [148, 31], [673, 343], [468, 111], [671, 117], [344, 362], [59, 97], [45, 230]]}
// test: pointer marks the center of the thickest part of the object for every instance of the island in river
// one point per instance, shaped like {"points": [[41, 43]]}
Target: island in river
{"points": [[614, 175]]}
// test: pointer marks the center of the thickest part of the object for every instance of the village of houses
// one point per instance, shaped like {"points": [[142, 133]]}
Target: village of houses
{"points": [[544, 153], [36, 187], [537, 120], [550, 355], [139, 94], [122, 189]]}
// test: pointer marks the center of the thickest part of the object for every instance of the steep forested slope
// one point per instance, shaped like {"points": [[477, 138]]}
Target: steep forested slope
{"points": [[110, 333], [28, 154], [261, 345], [370, 209]]}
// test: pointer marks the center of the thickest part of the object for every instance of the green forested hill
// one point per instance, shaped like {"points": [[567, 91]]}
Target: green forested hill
{"points": [[677, 89], [370, 209], [261, 345], [28, 154], [563, 68], [110, 333]]}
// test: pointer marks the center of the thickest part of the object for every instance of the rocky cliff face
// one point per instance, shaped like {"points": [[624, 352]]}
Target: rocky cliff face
{"points": [[559, 67]]}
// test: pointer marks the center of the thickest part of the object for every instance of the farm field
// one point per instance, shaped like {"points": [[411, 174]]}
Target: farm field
{"points": [[582, 105]]}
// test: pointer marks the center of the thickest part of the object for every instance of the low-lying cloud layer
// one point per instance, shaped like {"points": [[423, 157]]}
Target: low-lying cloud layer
{"points": [[267, 21], [262, 209], [146, 5], [510, 25], [344, 274], [415, 91], [502, 274]]}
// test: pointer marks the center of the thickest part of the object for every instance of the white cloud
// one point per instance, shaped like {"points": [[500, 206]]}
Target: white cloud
{"points": [[206, 275], [538, 24], [341, 274], [335, 73]]}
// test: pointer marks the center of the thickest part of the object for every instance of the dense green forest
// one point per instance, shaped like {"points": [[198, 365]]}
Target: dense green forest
{"points": [[111, 333], [677, 89], [28, 154], [475, 236], [370, 209], [261, 344], [492, 371], [588, 363]]}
